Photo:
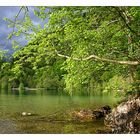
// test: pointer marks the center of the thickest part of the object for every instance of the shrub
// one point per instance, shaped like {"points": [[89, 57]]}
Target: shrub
{"points": [[118, 85]]}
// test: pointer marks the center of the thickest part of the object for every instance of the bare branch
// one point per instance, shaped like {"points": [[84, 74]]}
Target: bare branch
{"points": [[96, 58], [16, 19], [124, 20]]}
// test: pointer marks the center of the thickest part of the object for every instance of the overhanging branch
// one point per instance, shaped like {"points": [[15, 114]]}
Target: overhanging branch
{"points": [[97, 58]]}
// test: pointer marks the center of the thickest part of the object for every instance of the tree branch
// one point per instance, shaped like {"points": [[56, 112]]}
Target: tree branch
{"points": [[96, 58], [124, 20], [16, 19]]}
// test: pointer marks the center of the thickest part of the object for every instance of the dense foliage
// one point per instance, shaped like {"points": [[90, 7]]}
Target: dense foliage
{"points": [[75, 49]]}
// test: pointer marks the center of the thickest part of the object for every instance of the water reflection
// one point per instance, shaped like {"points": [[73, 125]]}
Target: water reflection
{"points": [[44, 102]]}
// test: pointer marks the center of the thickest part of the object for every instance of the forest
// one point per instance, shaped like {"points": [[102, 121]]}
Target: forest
{"points": [[84, 50]]}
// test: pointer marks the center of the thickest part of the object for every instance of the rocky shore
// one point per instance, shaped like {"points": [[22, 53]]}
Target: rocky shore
{"points": [[123, 119]]}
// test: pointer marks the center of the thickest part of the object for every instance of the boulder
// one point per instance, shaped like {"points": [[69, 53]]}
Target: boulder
{"points": [[122, 118]]}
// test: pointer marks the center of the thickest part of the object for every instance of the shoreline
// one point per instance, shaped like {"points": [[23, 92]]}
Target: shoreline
{"points": [[26, 88]]}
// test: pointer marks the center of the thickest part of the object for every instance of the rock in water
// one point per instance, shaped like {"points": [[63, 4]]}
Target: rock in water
{"points": [[24, 113], [29, 114], [121, 119], [91, 115], [83, 115], [101, 112], [106, 109]]}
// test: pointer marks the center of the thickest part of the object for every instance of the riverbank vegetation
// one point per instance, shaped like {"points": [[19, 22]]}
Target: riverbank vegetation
{"points": [[79, 49]]}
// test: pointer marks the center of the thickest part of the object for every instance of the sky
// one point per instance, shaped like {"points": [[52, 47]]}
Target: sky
{"points": [[10, 12]]}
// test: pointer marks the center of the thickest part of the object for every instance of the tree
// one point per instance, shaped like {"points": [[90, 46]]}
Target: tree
{"points": [[86, 33], [91, 42]]}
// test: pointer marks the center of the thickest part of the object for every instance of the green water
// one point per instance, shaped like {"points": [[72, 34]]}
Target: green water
{"points": [[50, 111]]}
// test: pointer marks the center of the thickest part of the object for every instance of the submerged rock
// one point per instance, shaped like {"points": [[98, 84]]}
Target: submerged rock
{"points": [[91, 115], [26, 114], [8, 126], [122, 118], [29, 114], [83, 115]]}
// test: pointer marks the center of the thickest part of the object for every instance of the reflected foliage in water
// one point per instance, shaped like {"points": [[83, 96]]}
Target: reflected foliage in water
{"points": [[50, 112]]}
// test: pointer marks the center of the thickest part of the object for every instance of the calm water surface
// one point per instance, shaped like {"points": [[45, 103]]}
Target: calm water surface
{"points": [[50, 111]]}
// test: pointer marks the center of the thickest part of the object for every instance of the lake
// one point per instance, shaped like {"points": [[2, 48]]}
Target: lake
{"points": [[50, 111]]}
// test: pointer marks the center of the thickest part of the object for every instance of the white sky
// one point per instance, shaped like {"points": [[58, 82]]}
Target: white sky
{"points": [[70, 2]]}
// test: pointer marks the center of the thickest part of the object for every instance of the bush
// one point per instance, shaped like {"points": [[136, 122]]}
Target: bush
{"points": [[117, 85]]}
